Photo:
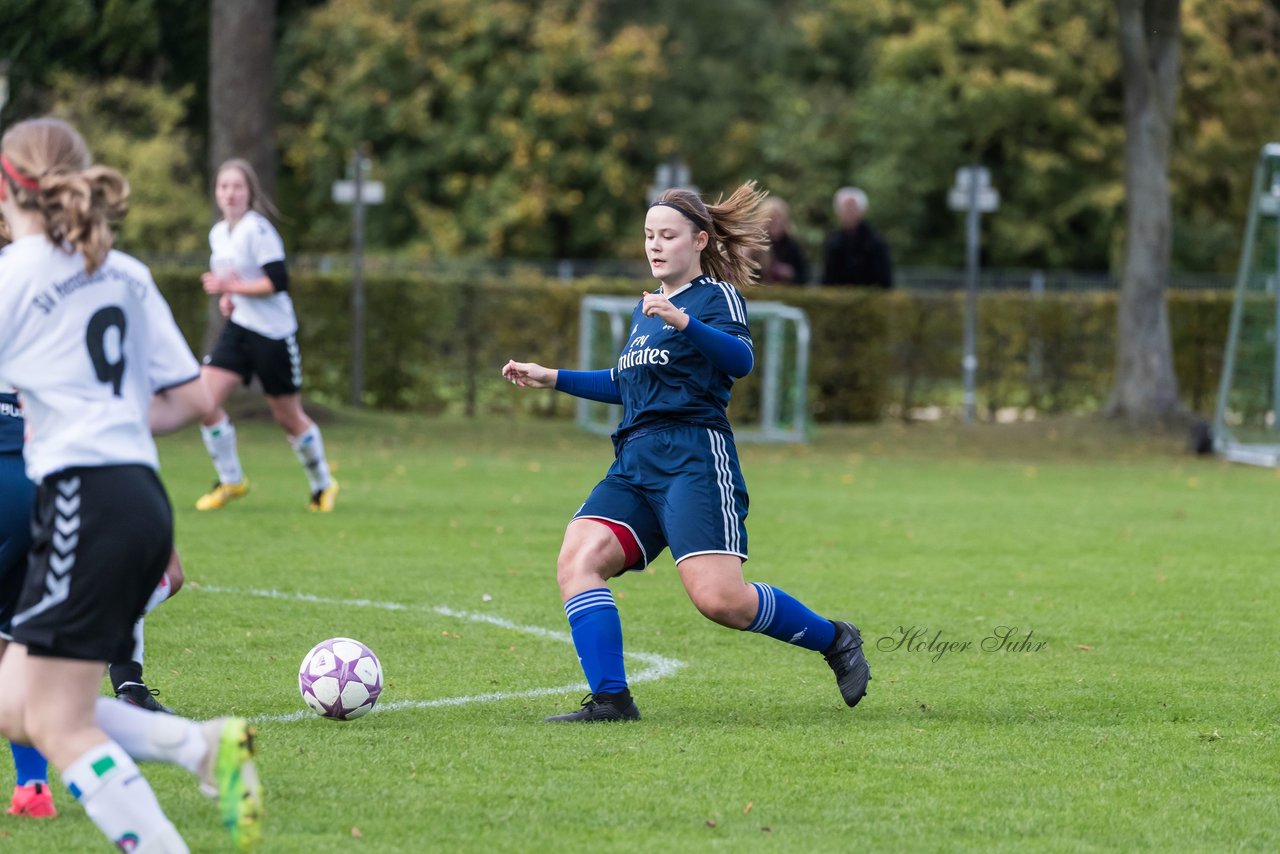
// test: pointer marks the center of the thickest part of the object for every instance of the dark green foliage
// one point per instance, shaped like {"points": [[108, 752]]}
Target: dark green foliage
{"points": [[437, 344]]}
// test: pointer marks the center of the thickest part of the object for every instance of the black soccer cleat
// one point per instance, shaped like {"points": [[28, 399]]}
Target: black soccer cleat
{"points": [[137, 694], [849, 664], [598, 708]]}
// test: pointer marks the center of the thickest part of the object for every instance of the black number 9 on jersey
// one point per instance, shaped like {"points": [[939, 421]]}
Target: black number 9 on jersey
{"points": [[96, 339]]}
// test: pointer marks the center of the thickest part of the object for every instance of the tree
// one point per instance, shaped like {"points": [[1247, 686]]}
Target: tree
{"points": [[501, 129], [242, 99], [137, 128], [900, 95], [242, 92], [1146, 389]]}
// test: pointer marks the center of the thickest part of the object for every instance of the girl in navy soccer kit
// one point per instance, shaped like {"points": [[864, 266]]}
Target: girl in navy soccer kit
{"points": [[91, 346], [31, 796], [675, 481]]}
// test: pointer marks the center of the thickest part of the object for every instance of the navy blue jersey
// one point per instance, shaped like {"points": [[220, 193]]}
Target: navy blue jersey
{"points": [[663, 377], [11, 424]]}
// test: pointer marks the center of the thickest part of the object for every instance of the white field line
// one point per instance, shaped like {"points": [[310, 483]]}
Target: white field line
{"points": [[653, 667]]}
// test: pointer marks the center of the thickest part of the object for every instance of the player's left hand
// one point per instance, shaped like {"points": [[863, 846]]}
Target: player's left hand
{"points": [[657, 305]]}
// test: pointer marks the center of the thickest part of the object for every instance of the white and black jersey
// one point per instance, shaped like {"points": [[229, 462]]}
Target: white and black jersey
{"points": [[247, 249], [87, 352]]}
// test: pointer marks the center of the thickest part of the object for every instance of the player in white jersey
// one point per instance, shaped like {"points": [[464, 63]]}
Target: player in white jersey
{"points": [[32, 797], [247, 272], [91, 345]]}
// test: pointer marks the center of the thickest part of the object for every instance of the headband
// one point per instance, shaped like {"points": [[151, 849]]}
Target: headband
{"points": [[693, 218], [18, 178]]}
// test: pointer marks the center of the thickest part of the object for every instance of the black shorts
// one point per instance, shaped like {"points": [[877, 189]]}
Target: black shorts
{"points": [[275, 361], [101, 541]]}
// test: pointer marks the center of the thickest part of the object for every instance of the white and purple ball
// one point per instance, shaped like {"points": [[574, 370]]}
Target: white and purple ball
{"points": [[340, 679]]}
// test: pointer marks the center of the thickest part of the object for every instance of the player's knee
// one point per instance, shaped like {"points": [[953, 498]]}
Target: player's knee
{"points": [[582, 559], [175, 575], [40, 730], [721, 606], [12, 724]]}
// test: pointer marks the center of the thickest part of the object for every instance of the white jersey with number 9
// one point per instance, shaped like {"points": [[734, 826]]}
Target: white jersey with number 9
{"points": [[87, 352]]}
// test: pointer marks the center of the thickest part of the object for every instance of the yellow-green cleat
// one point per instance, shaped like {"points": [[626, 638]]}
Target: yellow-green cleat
{"points": [[230, 775], [322, 500], [221, 495]]}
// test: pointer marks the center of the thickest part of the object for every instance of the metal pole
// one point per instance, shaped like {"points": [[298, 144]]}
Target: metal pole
{"points": [[1237, 308], [1035, 347], [971, 299], [1275, 329], [357, 285], [772, 383]]}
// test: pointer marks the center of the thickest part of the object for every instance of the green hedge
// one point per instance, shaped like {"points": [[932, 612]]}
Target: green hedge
{"points": [[439, 343]]}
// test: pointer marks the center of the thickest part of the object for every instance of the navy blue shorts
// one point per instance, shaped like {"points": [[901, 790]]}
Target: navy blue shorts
{"points": [[676, 487], [17, 498]]}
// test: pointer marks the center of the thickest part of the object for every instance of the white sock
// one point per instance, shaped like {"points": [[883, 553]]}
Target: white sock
{"points": [[138, 643], [161, 593], [220, 440], [309, 448], [152, 736], [119, 800]]}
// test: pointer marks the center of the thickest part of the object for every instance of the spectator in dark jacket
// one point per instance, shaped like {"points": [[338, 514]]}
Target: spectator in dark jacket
{"points": [[786, 263], [855, 253]]}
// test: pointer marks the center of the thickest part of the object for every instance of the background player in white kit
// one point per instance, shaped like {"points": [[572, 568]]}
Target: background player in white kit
{"points": [[248, 273], [91, 345]]}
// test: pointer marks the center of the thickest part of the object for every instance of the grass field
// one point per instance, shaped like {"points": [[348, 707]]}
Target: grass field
{"points": [[1147, 720]]}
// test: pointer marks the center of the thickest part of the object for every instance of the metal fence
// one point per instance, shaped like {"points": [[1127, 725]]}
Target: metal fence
{"points": [[908, 278]]}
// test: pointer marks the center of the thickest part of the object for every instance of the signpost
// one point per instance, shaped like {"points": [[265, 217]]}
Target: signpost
{"points": [[672, 173], [973, 194], [358, 192]]}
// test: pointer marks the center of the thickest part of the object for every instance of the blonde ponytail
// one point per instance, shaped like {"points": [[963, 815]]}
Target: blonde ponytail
{"points": [[48, 170]]}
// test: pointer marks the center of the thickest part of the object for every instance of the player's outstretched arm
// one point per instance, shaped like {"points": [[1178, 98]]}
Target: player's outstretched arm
{"points": [[529, 375], [179, 405]]}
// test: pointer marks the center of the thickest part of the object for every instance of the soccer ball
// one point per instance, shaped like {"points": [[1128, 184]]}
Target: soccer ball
{"points": [[340, 679]]}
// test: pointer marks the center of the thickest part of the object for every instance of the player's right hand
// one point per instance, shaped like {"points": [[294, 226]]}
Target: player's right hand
{"points": [[528, 375]]}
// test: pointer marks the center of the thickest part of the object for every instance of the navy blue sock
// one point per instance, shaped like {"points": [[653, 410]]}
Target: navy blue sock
{"points": [[787, 619], [597, 636], [30, 764]]}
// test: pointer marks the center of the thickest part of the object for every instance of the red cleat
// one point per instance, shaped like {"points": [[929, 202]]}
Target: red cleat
{"points": [[33, 800]]}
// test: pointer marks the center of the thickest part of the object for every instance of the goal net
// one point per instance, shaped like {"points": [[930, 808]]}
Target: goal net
{"points": [[1246, 425], [769, 405]]}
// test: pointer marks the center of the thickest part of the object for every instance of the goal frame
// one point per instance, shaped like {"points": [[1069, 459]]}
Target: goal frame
{"points": [[1264, 200], [770, 365]]}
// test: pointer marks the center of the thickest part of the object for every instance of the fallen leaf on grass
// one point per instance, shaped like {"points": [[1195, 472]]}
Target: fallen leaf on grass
{"points": [[1084, 647], [748, 807]]}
